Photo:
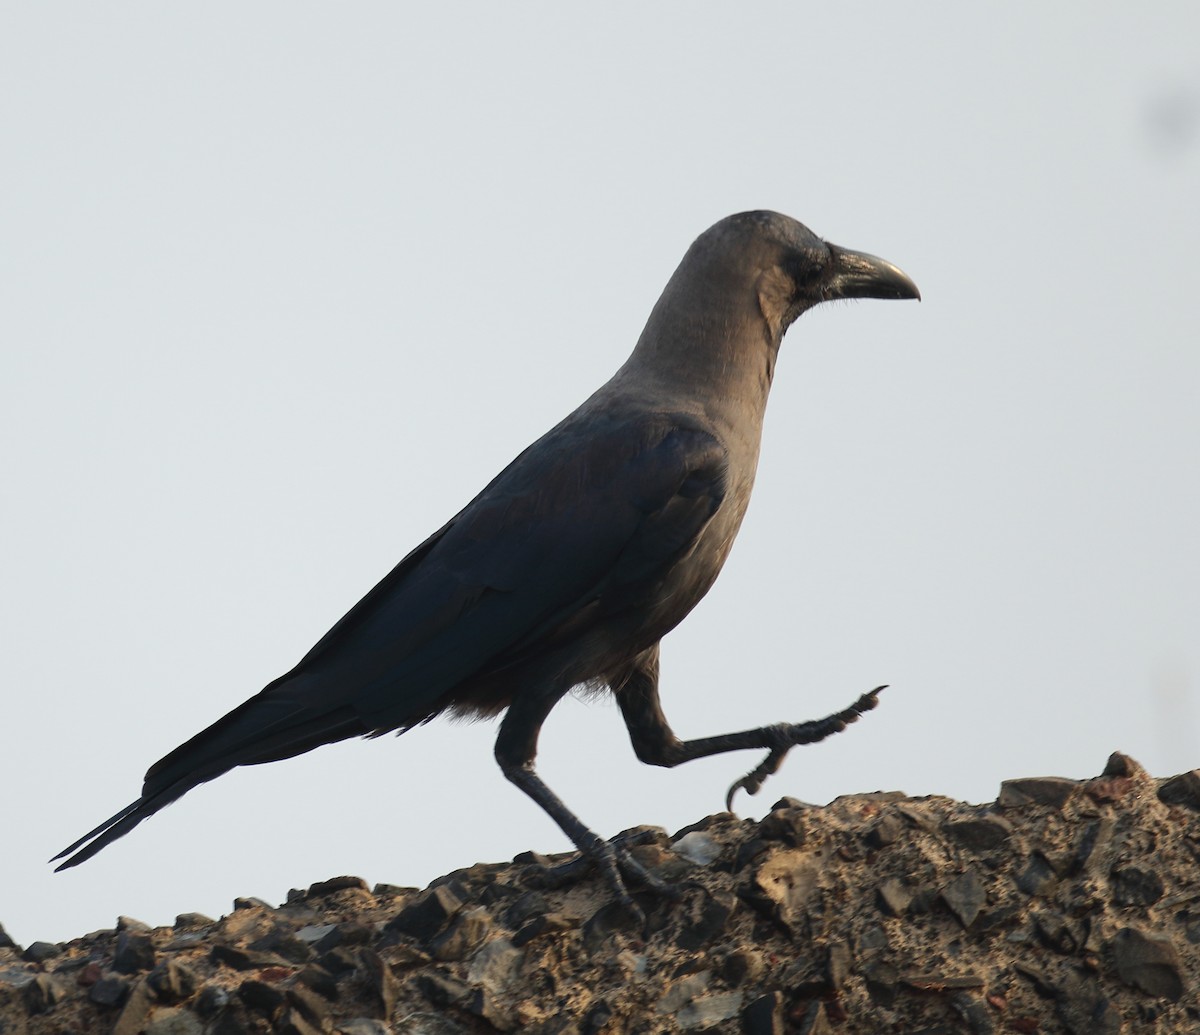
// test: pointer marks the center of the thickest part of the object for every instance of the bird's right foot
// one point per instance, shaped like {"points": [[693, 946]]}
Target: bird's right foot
{"points": [[785, 736], [615, 862]]}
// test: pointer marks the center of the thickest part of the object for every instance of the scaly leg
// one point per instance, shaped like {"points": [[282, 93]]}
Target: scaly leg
{"points": [[656, 744], [516, 749]]}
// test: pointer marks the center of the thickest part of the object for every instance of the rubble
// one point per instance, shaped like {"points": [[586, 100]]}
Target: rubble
{"points": [[1065, 906]]}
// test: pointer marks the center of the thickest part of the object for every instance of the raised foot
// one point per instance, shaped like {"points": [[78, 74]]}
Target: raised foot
{"points": [[781, 738]]}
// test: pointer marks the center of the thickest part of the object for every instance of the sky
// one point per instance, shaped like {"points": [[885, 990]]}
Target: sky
{"points": [[283, 285]]}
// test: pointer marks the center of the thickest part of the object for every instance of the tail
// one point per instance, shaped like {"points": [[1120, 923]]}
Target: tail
{"points": [[114, 827], [266, 728]]}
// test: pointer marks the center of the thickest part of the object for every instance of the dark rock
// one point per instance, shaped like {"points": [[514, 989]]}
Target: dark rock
{"points": [[192, 921], [918, 816], [923, 901], [464, 936], [1183, 789], [499, 892], [1119, 764], [230, 1022], [979, 833], [597, 1016], [1084, 1009], [109, 991], [339, 961], [261, 996], [252, 903], [129, 923], [1136, 886], [347, 934], [837, 966], [171, 982], [89, 974], [887, 831], [42, 994], [1058, 933], [483, 1003], [212, 998], [813, 1019], [5, 941], [872, 937], [294, 1022], [748, 852], [314, 933], [310, 1005], [134, 953], [530, 905], [378, 980], [786, 825], [533, 859], [882, 979], [805, 978], [741, 967], [547, 923], [39, 952], [965, 897], [974, 1013], [1038, 978], [764, 1016], [133, 1015], [1038, 876], [610, 919], [1036, 790], [704, 918], [1092, 844], [1149, 963], [289, 947], [893, 897], [444, 990], [65, 965], [335, 884], [405, 954], [392, 891], [429, 914], [244, 959], [319, 980]]}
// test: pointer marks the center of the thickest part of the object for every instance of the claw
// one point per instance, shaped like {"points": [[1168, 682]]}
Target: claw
{"points": [[754, 779], [617, 865], [788, 736]]}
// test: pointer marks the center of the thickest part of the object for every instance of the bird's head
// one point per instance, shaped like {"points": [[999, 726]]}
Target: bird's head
{"points": [[791, 269]]}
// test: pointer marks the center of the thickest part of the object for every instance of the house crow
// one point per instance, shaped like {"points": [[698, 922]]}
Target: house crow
{"points": [[573, 563]]}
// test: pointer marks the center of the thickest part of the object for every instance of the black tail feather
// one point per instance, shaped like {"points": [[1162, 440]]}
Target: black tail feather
{"points": [[116, 826], [204, 758]]}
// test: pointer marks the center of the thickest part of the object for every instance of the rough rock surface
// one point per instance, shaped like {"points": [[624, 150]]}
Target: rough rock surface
{"points": [[1065, 906]]}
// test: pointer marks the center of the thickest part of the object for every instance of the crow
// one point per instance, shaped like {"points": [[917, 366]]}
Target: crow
{"points": [[572, 563]]}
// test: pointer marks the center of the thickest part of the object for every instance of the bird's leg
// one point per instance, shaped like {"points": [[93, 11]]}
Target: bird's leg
{"points": [[787, 735], [516, 749], [655, 743]]}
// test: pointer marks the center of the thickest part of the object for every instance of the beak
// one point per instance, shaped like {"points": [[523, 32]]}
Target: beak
{"points": [[859, 275]]}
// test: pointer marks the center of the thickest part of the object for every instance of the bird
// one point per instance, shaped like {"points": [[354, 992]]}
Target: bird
{"points": [[570, 566]]}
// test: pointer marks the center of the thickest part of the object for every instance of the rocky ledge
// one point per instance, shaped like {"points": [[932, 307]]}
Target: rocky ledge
{"points": [[1063, 906]]}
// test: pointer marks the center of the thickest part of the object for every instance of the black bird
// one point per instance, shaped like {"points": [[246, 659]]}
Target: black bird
{"points": [[571, 565]]}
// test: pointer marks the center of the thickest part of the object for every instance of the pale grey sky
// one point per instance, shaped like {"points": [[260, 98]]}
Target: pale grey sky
{"points": [[283, 285]]}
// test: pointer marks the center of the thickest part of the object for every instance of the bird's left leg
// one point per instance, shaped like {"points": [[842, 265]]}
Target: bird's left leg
{"points": [[516, 749], [655, 743]]}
